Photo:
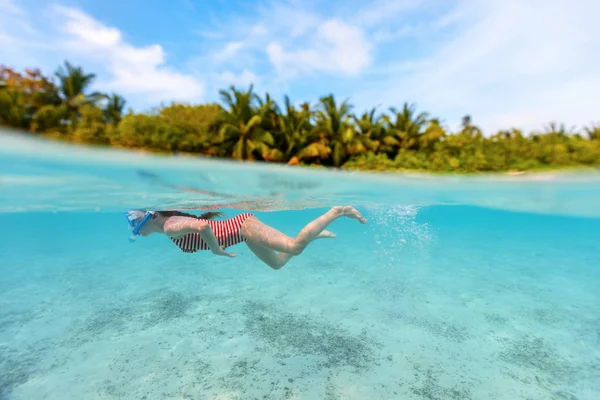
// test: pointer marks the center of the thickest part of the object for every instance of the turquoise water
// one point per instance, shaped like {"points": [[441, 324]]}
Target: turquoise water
{"points": [[457, 288]]}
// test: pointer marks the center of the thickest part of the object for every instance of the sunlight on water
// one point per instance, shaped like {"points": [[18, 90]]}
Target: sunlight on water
{"points": [[459, 287]]}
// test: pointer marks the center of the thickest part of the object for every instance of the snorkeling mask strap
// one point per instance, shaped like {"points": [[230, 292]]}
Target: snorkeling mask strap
{"points": [[137, 227]]}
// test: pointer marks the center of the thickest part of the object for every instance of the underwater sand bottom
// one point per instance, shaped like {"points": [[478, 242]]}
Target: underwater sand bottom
{"points": [[215, 328]]}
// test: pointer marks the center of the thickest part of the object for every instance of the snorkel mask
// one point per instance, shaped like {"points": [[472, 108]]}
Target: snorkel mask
{"points": [[136, 221]]}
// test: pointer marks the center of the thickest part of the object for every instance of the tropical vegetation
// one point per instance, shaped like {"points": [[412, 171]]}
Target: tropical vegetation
{"points": [[246, 126]]}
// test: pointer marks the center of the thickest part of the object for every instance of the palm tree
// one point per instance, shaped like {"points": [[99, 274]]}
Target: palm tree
{"points": [[374, 134], [269, 109], [593, 131], [294, 128], [334, 124], [553, 128], [241, 132], [72, 84], [113, 110], [509, 144], [433, 133], [468, 128], [299, 141], [407, 126], [466, 121], [12, 111], [269, 113]]}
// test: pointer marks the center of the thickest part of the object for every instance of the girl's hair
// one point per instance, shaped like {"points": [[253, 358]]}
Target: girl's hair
{"points": [[172, 213]]}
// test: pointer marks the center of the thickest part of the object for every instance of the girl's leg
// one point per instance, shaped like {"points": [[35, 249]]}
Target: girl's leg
{"points": [[263, 235], [277, 260]]}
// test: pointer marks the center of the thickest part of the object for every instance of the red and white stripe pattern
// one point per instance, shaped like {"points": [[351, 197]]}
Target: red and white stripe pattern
{"points": [[226, 231]]}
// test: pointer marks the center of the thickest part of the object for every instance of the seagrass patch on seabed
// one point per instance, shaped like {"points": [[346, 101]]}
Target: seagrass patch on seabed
{"points": [[290, 335]]}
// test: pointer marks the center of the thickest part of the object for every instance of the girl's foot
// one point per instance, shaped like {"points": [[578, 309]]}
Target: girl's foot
{"points": [[326, 234], [351, 212]]}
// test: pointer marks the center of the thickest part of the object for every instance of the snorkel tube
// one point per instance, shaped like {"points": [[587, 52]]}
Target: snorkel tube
{"points": [[137, 226]]}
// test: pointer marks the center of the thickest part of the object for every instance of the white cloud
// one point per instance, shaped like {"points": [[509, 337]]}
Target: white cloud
{"points": [[141, 74], [376, 13], [244, 79], [17, 35], [9, 6], [137, 71], [294, 39], [259, 30], [510, 63], [335, 48], [287, 19], [210, 34], [230, 50], [388, 34], [87, 31]]}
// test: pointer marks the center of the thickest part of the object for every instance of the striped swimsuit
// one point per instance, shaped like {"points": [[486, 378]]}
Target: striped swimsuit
{"points": [[226, 231]]}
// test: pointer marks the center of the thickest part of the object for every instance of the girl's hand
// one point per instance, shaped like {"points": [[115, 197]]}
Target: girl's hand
{"points": [[221, 252]]}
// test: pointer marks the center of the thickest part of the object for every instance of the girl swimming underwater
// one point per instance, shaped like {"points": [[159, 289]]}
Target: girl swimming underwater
{"points": [[192, 233]]}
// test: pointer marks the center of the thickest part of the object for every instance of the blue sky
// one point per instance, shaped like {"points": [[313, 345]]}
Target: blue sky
{"points": [[507, 63]]}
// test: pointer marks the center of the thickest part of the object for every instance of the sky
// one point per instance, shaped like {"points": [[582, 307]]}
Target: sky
{"points": [[506, 63]]}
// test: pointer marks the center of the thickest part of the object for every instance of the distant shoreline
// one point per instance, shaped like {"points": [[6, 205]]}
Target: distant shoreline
{"points": [[547, 173], [249, 127]]}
